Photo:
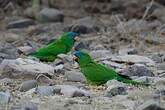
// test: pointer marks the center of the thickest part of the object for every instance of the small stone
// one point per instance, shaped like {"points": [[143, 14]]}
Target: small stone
{"points": [[145, 79], [115, 88], [159, 82], [25, 50], [161, 66], [113, 64], [43, 79], [159, 14], [75, 76], [150, 105], [27, 85], [161, 92], [100, 54], [50, 15], [7, 51], [20, 23], [132, 26], [9, 37], [133, 59], [28, 106], [137, 70], [6, 81], [65, 57], [45, 90], [157, 57], [4, 97], [83, 25], [81, 45], [127, 51], [72, 91]]}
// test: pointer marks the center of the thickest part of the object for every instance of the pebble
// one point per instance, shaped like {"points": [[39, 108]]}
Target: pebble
{"points": [[23, 23], [75, 76], [27, 85]]}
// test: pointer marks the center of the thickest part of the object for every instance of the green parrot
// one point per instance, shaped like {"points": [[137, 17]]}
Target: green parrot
{"points": [[63, 45], [98, 74]]}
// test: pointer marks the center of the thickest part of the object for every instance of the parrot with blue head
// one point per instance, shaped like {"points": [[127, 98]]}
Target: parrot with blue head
{"points": [[61, 46], [98, 74]]}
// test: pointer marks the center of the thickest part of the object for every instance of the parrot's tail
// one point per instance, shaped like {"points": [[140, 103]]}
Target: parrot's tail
{"points": [[128, 80]]}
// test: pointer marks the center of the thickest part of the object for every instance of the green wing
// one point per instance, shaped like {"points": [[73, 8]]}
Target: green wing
{"points": [[50, 52], [97, 73]]}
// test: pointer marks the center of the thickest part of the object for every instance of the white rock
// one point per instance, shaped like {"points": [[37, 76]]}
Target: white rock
{"points": [[25, 49], [27, 85], [115, 88], [113, 64], [9, 37], [133, 59], [25, 67], [150, 105], [45, 90], [72, 91], [100, 53], [75, 76], [4, 97]]}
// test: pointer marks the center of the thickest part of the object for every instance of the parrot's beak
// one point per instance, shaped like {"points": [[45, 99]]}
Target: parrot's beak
{"points": [[75, 58], [76, 38]]}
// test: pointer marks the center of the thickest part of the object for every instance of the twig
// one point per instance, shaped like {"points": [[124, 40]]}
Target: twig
{"points": [[147, 10]]}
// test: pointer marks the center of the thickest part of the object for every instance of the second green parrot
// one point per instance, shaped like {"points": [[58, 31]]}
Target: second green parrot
{"points": [[97, 73], [62, 45]]}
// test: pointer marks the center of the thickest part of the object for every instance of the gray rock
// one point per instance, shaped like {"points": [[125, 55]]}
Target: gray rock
{"points": [[72, 91], [28, 106], [25, 50], [63, 103], [9, 37], [23, 23], [115, 88], [145, 79], [7, 51], [132, 26], [27, 85], [161, 92], [50, 15], [100, 53], [151, 38], [83, 25], [158, 57], [24, 67], [6, 81], [75, 76], [159, 82], [66, 90], [127, 51], [45, 90], [161, 66], [137, 70], [159, 14], [81, 45], [113, 64], [4, 97], [133, 59], [44, 80], [150, 105]]}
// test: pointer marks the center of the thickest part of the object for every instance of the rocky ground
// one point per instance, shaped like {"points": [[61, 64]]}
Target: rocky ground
{"points": [[127, 35]]}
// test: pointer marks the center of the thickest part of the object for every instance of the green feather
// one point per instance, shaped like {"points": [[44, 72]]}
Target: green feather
{"points": [[49, 53]]}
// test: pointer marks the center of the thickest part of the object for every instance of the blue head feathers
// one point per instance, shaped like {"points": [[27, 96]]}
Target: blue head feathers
{"points": [[72, 34], [78, 54]]}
